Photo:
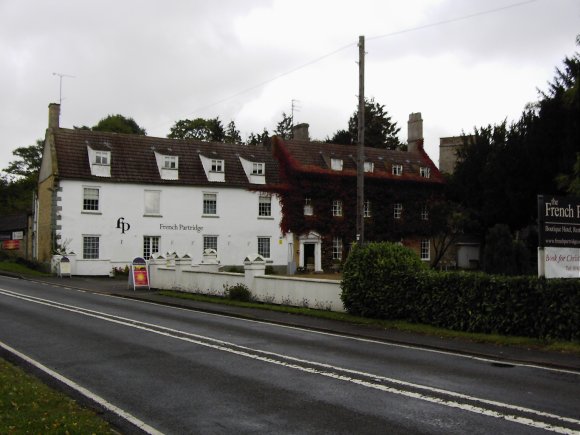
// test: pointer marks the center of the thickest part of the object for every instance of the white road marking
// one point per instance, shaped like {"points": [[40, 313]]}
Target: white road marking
{"points": [[349, 337], [325, 369], [86, 393]]}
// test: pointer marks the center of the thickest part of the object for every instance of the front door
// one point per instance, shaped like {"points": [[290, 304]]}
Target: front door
{"points": [[309, 257]]}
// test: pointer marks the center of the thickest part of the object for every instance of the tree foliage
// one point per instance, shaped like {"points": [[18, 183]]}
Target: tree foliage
{"points": [[284, 127], [380, 130], [258, 138], [232, 134], [207, 130], [118, 124], [28, 161], [504, 168]]}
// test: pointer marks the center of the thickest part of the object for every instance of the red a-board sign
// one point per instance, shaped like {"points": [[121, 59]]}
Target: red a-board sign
{"points": [[139, 273]]}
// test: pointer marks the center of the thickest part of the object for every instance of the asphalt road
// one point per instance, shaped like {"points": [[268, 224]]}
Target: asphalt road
{"points": [[181, 371]]}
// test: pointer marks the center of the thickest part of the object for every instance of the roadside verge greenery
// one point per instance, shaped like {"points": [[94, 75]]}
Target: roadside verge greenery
{"points": [[377, 282], [29, 406]]}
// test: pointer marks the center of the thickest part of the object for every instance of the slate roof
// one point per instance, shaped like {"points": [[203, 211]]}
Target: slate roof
{"points": [[133, 158], [315, 157]]}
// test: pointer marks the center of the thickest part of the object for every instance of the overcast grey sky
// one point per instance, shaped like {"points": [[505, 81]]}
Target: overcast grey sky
{"points": [[161, 61]]}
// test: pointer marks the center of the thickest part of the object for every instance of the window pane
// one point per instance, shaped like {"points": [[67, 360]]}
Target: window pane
{"points": [[209, 242], [264, 246], [209, 203], [150, 246], [152, 202], [265, 206], [90, 247], [91, 199], [337, 248], [425, 249]]}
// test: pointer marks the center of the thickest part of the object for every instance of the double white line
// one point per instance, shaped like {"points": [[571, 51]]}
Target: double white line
{"points": [[517, 414]]}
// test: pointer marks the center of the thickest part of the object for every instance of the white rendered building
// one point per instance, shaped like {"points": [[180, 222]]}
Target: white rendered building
{"points": [[108, 198]]}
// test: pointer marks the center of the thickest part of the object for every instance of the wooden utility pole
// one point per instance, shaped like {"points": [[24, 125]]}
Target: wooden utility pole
{"points": [[360, 156]]}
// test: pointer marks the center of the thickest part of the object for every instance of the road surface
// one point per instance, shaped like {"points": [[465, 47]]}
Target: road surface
{"points": [[180, 371]]}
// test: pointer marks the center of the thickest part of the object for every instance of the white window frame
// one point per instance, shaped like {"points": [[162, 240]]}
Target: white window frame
{"points": [[397, 170], [206, 205], [258, 168], [336, 164], [369, 167], [424, 213], [425, 171], [397, 210], [170, 162], [208, 242], [367, 209], [89, 246], [337, 248], [151, 245], [425, 249], [217, 165], [308, 208], [87, 207], [148, 210], [265, 205], [102, 158], [264, 246], [336, 207]]}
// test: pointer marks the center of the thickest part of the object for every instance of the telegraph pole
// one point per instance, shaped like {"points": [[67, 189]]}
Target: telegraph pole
{"points": [[360, 157]]}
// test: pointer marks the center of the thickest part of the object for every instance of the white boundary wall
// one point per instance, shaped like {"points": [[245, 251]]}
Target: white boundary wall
{"points": [[179, 274]]}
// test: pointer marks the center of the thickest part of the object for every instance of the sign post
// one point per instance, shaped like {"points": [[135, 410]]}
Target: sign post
{"points": [[558, 237], [139, 274]]}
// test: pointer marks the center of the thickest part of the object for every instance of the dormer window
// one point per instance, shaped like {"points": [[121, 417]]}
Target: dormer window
{"points": [[102, 157], [425, 172], [170, 162], [369, 167], [336, 164], [398, 170], [258, 168], [168, 166], [100, 161], [217, 165]]}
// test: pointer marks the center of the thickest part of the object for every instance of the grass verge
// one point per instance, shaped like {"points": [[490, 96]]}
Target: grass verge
{"points": [[29, 406], [19, 269], [499, 340]]}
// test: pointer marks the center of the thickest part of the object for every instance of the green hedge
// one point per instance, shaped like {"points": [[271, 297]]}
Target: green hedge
{"points": [[472, 302]]}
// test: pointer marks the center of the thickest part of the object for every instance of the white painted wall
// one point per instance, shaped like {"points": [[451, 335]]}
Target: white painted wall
{"points": [[180, 225], [302, 292]]}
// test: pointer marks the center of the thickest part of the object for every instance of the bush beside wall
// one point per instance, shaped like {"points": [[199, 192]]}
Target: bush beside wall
{"points": [[472, 302]]}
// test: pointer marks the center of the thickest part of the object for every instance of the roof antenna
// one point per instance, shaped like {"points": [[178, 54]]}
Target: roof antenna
{"points": [[61, 75], [295, 108]]}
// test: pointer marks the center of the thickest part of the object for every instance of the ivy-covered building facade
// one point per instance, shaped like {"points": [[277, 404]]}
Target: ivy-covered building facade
{"points": [[318, 192]]}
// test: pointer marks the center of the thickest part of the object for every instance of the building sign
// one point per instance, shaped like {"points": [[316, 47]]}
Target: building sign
{"points": [[17, 235], [180, 227], [9, 245], [559, 237], [139, 275]]}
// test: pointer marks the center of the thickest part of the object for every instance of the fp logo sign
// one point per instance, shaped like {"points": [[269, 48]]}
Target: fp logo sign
{"points": [[122, 225]]}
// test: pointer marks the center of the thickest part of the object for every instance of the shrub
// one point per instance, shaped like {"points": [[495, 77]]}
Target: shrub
{"points": [[378, 280], [238, 292]]}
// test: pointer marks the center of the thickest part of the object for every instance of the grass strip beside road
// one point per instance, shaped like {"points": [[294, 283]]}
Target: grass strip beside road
{"points": [[19, 269], [499, 340], [29, 406]]}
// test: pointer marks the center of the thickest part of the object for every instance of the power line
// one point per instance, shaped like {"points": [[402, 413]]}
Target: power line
{"points": [[338, 50]]}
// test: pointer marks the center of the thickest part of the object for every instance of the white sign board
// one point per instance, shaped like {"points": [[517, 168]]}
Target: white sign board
{"points": [[562, 262]]}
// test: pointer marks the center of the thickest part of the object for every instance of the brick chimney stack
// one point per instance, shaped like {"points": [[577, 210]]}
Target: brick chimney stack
{"points": [[53, 115], [300, 132], [415, 132]]}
